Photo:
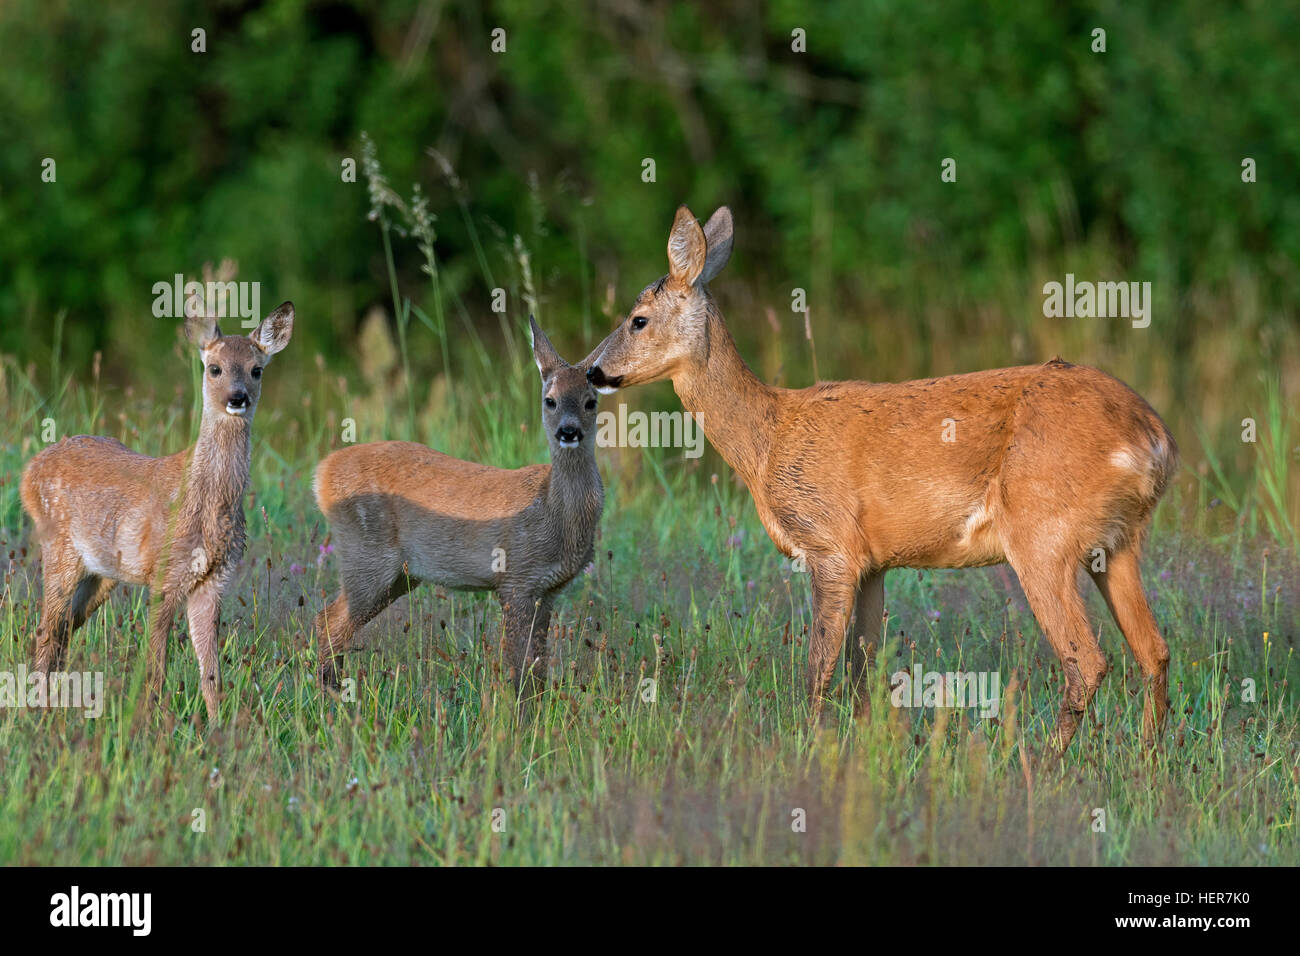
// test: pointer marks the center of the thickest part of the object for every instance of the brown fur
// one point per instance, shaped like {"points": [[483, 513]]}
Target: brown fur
{"points": [[1048, 463], [106, 514], [401, 513]]}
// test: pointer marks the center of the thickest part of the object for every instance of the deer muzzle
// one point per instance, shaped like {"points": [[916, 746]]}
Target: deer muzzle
{"points": [[603, 383], [237, 404], [569, 436]]}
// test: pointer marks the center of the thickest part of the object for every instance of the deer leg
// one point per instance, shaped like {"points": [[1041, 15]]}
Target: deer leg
{"points": [[54, 630], [1121, 585], [204, 611], [357, 604], [864, 638], [832, 598], [527, 618], [63, 575], [91, 593], [1052, 587], [160, 627], [334, 630]]}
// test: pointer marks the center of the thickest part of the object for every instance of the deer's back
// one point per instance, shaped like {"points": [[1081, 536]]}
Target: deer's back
{"points": [[400, 504], [427, 479], [921, 473], [103, 499]]}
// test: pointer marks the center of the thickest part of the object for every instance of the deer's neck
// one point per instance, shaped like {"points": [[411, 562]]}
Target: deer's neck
{"points": [[575, 496], [218, 473], [734, 407]]}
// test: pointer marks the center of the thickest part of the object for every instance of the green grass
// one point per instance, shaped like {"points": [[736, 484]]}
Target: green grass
{"points": [[686, 590]]}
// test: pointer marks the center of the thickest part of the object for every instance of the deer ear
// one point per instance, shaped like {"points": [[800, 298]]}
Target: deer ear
{"points": [[273, 334], [717, 235], [544, 354], [201, 330], [686, 248]]}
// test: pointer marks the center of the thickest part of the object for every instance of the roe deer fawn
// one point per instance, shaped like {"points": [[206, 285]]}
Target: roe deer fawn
{"points": [[1036, 466], [106, 514], [401, 513]]}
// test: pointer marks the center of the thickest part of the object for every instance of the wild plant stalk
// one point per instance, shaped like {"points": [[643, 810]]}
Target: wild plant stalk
{"points": [[57, 354], [400, 313], [485, 270], [812, 344], [97, 405], [381, 198], [422, 226], [528, 292], [583, 278]]}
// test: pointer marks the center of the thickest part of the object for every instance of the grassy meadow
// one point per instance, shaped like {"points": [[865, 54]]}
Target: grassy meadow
{"points": [[433, 764]]}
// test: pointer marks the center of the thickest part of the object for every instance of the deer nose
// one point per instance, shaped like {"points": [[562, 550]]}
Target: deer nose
{"points": [[238, 400], [568, 434], [596, 376]]}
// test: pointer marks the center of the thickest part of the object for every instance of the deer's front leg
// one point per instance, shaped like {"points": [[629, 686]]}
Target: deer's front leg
{"points": [[832, 598], [204, 613], [527, 617], [160, 626]]}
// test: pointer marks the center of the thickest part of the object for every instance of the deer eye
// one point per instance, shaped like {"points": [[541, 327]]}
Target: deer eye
{"points": [[639, 321], [550, 403], [257, 371], [591, 403], [214, 371]]}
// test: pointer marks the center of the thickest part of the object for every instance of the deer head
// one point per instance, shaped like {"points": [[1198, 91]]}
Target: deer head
{"points": [[667, 327]]}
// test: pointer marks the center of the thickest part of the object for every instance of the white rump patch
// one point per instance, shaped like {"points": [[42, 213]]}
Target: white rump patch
{"points": [[1125, 459]]}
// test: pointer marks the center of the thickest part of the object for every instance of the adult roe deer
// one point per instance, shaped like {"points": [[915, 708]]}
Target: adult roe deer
{"points": [[105, 514], [401, 513], [1042, 465]]}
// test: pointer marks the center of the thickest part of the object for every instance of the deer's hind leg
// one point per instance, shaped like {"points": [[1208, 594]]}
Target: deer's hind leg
{"points": [[1121, 585], [864, 639], [65, 585], [361, 599], [1051, 583], [90, 594]]}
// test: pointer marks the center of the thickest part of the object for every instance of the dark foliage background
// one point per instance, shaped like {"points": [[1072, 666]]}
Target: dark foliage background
{"points": [[1117, 165]]}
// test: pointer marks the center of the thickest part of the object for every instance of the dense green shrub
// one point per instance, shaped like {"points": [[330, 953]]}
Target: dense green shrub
{"points": [[166, 157]]}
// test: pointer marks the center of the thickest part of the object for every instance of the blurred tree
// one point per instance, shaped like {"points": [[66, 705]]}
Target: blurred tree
{"points": [[166, 157]]}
